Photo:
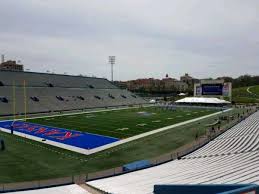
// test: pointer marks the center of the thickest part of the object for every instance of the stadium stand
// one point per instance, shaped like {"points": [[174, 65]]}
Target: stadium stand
{"points": [[53, 80], [67, 189], [51, 92], [231, 158]]}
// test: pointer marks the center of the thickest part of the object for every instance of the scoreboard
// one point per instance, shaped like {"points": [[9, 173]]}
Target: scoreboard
{"points": [[213, 88]]}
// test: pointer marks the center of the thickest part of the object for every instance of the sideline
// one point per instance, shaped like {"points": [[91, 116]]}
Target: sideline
{"points": [[79, 113], [95, 150]]}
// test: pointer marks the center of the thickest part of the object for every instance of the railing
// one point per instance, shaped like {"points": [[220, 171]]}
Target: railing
{"points": [[81, 179], [35, 184], [78, 179]]}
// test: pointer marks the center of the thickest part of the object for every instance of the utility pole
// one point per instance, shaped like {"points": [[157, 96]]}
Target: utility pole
{"points": [[112, 62]]}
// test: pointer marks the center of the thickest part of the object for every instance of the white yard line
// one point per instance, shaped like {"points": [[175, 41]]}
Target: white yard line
{"points": [[98, 149], [79, 113], [49, 142], [95, 150]]}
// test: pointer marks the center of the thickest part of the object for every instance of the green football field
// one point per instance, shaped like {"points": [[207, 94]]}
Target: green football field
{"points": [[123, 123], [27, 160]]}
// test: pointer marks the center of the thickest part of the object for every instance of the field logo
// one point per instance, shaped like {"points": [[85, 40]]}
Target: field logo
{"points": [[45, 132], [65, 136]]}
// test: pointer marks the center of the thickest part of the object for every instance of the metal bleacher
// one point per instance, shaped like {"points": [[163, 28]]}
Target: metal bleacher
{"points": [[43, 79], [231, 158], [76, 93]]}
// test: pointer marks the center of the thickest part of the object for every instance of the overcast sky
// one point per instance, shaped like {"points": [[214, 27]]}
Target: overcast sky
{"points": [[206, 38]]}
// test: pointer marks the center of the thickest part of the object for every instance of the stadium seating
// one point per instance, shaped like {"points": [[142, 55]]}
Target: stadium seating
{"points": [[52, 80], [65, 93], [243, 137], [231, 158], [66, 189]]}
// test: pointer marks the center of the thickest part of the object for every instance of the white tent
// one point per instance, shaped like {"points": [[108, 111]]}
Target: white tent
{"points": [[202, 100], [152, 101], [182, 94]]}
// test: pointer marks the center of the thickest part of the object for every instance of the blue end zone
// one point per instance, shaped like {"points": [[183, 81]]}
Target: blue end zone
{"points": [[69, 137]]}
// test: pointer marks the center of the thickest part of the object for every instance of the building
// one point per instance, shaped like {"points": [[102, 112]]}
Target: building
{"points": [[120, 84], [213, 88], [143, 84], [171, 84], [186, 78], [11, 66], [167, 84]]}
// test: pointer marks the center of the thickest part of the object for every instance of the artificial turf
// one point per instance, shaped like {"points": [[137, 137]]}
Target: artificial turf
{"points": [[123, 123], [27, 160]]}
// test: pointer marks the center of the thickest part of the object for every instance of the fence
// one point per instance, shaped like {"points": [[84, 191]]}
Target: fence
{"points": [[80, 179]]}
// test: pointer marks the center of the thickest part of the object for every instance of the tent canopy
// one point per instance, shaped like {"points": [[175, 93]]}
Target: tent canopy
{"points": [[202, 100], [182, 94]]}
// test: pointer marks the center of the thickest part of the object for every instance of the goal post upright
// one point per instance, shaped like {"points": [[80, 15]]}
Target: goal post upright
{"points": [[25, 100], [14, 106], [14, 101]]}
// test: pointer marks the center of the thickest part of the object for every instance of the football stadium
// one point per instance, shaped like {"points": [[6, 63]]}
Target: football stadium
{"points": [[129, 97], [87, 134]]}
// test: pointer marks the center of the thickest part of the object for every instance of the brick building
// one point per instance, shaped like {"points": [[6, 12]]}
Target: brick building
{"points": [[167, 84], [11, 66]]}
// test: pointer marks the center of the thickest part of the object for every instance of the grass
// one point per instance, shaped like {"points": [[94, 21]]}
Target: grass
{"points": [[255, 90], [241, 95], [26, 160], [123, 123]]}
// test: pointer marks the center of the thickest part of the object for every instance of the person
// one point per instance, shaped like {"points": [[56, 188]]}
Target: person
{"points": [[213, 129], [2, 144], [196, 136], [11, 129]]}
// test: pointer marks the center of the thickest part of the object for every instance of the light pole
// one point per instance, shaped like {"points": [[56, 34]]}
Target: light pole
{"points": [[112, 62]]}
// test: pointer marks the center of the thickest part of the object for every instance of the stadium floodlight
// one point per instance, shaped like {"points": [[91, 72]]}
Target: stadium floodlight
{"points": [[112, 62]]}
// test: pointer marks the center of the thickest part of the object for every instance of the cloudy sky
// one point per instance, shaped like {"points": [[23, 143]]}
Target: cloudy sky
{"points": [[206, 38]]}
